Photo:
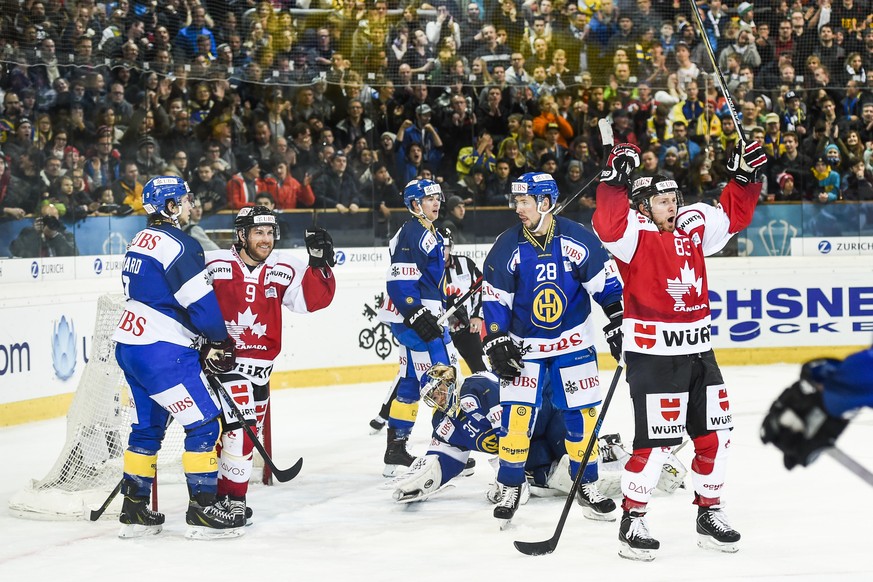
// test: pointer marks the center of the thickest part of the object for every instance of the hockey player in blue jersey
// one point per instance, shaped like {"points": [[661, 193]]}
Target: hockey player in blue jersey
{"points": [[468, 420], [808, 417], [414, 304], [540, 278], [170, 307]]}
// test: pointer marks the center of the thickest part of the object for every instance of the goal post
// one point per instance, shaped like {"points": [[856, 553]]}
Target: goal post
{"points": [[90, 463]]}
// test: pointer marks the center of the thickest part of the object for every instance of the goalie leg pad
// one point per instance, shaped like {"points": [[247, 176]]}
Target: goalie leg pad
{"points": [[709, 466], [518, 422], [423, 478], [640, 475]]}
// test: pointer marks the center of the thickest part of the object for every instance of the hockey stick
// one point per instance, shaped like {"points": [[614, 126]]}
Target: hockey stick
{"points": [[474, 288], [851, 464], [608, 141], [719, 78], [281, 475], [548, 546], [95, 514]]}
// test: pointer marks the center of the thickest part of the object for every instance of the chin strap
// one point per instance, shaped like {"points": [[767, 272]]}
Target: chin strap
{"points": [[543, 215]]}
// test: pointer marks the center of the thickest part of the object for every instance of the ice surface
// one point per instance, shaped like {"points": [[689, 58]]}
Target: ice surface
{"points": [[334, 523]]}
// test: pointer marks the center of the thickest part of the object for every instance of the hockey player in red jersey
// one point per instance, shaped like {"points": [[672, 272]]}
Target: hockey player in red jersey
{"points": [[675, 383], [253, 285]]}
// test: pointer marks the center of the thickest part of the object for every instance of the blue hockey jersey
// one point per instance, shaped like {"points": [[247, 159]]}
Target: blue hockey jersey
{"points": [[169, 295], [541, 293], [417, 271], [476, 427], [849, 387]]}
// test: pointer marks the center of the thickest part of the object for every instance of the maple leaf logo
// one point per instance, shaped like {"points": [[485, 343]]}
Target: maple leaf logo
{"points": [[246, 321], [679, 287]]}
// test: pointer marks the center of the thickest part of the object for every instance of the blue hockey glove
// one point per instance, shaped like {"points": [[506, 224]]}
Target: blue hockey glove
{"points": [[504, 355], [798, 423], [425, 324]]}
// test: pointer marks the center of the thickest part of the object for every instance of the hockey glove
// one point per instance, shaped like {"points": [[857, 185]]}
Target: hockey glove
{"points": [[504, 355], [798, 423], [459, 319], [614, 336], [622, 160], [745, 166], [425, 324], [218, 357], [319, 245]]}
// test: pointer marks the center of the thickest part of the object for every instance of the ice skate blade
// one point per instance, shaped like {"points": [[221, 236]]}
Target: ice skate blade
{"points": [[709, 543], [413, 497], [594, 515], [504, 523], [134, 530], [393, 470], [196, 532], [639, 555], [376, 426]]}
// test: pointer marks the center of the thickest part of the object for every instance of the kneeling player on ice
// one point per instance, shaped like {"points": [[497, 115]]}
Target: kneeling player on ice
{"points": [[541, 278], [467, 420], [169, 306], [808, 417], [675, 383], [253, 285]]}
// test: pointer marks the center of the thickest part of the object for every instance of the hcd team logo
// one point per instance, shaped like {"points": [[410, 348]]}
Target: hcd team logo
{"points": [[64, 348], [378, 337]]}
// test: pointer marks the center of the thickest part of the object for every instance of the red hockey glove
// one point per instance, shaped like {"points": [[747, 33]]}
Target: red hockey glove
{"points": [[622, 160], [218, 357]]}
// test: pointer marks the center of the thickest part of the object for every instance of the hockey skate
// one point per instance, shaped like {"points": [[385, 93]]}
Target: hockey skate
{"points": [[236, 507], [714, 532], [397, 458], [137, 519], [509, 497], [469, 467], [208, 519], [595, 506], [636, 542]]}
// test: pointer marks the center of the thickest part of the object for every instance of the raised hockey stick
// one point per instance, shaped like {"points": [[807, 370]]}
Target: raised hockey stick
{"points": [[95, 514], [719, 78], [608, 140], [548, 546], [282, 475], [851, 464]]}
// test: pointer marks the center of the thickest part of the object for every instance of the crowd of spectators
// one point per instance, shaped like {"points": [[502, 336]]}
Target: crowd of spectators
{"points": [[336, 104]]}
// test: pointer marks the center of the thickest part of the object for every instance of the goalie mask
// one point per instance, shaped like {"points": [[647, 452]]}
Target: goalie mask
{"points": [[439, 389]]}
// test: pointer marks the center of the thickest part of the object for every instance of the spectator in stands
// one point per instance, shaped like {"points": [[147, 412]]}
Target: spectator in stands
{"points": [[498, 186], [336, 188], [185, 43], [148, 161], [13, 201], [127, 190], [209, 187], [454, 219], [247, 183], [291, 193], [46, 238], [191, 225]]}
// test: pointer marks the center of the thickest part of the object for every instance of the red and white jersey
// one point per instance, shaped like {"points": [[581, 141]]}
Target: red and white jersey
{"points": [[666, 294], [251, 303]]}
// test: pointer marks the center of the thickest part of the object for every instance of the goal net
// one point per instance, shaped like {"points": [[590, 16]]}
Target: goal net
{"points": [[90, 463]]}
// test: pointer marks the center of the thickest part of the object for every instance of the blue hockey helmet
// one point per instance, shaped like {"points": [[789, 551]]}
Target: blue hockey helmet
{"points": [[418, 189], [536, 184], [160, 190], [439, 389]]}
